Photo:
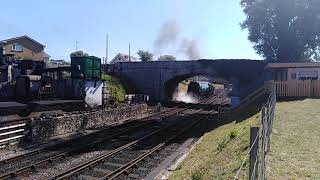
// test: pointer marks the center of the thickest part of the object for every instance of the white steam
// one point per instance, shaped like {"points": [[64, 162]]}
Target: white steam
{"points": [[183, 96]]}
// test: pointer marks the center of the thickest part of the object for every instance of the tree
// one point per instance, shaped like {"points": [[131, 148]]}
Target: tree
{"points": [[145, 55], [166, 58], [79, 54], [283, 30]]}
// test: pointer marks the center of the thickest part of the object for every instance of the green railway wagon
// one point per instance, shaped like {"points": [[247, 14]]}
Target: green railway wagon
{"points": [[90, 66]]}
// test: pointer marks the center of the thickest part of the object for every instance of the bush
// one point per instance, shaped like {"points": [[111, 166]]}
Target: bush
{"points": [[222, 143], [118, 90], [234, 133], [79, 54], [197, 176]]}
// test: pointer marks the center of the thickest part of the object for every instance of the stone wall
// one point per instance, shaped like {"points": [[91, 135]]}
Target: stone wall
{"points": [[42, 128], [158, 79]]}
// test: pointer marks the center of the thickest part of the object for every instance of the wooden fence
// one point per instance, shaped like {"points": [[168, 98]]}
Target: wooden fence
{"points": [[297, 88]]}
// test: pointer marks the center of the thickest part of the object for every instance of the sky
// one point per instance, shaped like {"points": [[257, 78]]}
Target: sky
{"points": [[213, 24]]}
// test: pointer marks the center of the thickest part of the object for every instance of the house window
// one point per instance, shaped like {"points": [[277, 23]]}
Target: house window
{"points": [[293, 76], [17, 47], [308, 75]]}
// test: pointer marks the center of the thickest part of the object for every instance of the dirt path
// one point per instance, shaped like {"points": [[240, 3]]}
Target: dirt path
{"points": [[295, 144]]}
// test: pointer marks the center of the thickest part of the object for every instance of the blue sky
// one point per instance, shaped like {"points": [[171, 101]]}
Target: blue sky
{"points": [[60, 23]]}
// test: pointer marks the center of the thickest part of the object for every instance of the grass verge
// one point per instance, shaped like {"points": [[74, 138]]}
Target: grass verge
{"points": [[295, 145], [220, 153]]}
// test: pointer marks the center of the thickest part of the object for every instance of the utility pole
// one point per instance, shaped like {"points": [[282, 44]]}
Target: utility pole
{"points": [[107, 49], [77, 46], [129, 54]]}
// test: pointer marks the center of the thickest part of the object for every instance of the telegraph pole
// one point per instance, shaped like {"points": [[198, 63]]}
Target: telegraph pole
{"points": [[129, 54], [107, 49], [77, 46]]}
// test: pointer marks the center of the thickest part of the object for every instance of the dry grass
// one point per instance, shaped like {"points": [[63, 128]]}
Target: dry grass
{"points": [[220, 153], [295, 144]]}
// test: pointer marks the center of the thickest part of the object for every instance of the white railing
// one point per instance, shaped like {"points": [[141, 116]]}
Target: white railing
{"points": [[11, 133]]}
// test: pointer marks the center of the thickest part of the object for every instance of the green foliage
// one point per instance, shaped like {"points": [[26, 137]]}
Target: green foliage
{"points": [[234, 133], [283, 30], [79, 54], [197, 175], [222, 144], [145, 55], [166, 58], [118, 90]]}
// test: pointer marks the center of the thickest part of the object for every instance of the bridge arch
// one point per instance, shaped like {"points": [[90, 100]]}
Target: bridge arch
{"points": [[153, 78], [171, 84]]}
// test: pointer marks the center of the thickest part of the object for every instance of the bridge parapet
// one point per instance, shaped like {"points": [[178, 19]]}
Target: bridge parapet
{"points": [[152, 77]]}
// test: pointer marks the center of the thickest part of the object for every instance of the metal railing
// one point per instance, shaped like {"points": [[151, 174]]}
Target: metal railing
{"points": [[260, 138], [11, 133]]}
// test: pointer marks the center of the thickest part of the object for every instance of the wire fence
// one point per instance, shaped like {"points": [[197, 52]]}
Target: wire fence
{"points": [[260, 141]]}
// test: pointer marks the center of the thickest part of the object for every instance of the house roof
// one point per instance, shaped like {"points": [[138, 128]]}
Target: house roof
{"points": [[46, 55], [293, 65], [21, 37], [125, 57]]}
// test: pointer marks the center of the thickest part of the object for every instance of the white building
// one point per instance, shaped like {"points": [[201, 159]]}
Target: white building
{"points": [[57, 63], [123, 58]]}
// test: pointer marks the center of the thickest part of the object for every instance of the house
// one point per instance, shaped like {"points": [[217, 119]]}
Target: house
{"points": [[298, 79], [294, 71], [24, 48], [123, 58]]}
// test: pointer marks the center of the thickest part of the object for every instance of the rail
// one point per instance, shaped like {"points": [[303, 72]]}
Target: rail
{"points": [[141, 155], [63, 154]]}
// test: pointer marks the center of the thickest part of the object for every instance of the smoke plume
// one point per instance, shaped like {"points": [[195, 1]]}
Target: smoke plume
{"points": [[168, 35], [190, 49]]}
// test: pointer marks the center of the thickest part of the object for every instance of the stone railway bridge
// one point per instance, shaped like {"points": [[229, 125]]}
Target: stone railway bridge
{"points": [[160, 78]]}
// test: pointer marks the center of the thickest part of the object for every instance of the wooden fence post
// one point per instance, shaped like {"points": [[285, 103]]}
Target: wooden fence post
{"points": [[254, 143]]}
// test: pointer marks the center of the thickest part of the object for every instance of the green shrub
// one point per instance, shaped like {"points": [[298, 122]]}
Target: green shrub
{"points": [[197, 176], [118, 90], [222, 143], [234, 133]]}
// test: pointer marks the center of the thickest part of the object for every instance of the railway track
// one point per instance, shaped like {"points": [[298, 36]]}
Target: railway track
{"points": [[22, 166], [119, 162], [30, 161]]}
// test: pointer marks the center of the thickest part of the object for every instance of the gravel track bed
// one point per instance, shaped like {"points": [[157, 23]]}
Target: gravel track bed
{"points": [[131, 153], [154, 160], [58, 166], [76, 159], [65, 146]]}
